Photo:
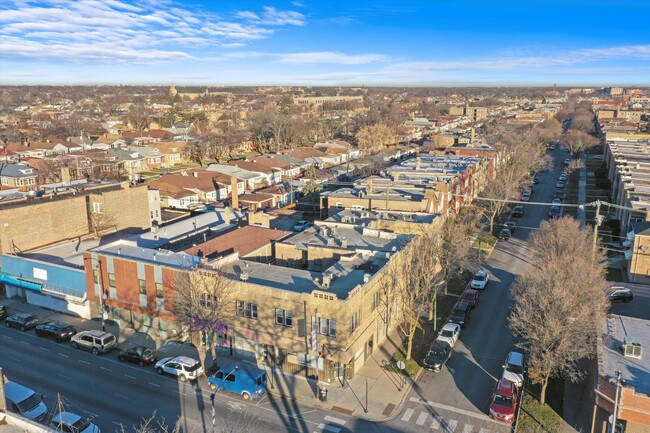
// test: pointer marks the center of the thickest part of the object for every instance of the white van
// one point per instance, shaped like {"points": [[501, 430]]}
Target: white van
{"points": [[25, 402]]}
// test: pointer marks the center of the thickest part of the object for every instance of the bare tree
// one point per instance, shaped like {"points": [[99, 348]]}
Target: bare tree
{"points": [[139, 117], [196, 151], [242, 423], [449, 250], [203, 302], [576, 142], [560, 302], [410, 294], [100, 221], [373, 138]]}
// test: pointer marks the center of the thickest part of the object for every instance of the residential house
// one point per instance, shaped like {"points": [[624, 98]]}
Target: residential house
{"points": [[18, 175], [172, 152], [253, 180], [287, 170]]}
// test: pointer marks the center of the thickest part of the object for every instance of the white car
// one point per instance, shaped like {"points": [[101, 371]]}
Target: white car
{"points": [[564, 177], [183, 367], [71, 422], [560, 184], [480, 280], [449, 334], [556, 201], [514, 368]]}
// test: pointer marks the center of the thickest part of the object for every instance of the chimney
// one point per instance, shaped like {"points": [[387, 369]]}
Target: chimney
{"points": [[235, 192], [226, 215], [65, 174], [195, 173], [370, 185]]}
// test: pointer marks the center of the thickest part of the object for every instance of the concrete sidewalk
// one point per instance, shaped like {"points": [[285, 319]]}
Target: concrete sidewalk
{"points": [[374, 394]]}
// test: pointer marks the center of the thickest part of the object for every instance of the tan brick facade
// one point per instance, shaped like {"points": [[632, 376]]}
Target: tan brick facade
{"points": [[42, 223]]}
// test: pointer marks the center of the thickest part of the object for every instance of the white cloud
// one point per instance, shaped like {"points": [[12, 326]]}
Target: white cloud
{"points": [[128, 28], [331, 58]]}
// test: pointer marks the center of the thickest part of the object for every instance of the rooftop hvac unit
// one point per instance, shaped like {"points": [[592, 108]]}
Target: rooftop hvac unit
{"points": [[632, 350], [243, 276], [366, 278]]}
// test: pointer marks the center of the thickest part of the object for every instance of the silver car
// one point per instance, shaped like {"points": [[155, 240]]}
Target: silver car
{"points": [[94, 341], [514, 368]]}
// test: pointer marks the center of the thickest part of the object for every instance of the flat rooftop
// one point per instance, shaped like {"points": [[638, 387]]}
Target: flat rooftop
{"points": [[357, 237], [635, 371], [347, 274], [368, 216], [70, 252], [130, 249]]}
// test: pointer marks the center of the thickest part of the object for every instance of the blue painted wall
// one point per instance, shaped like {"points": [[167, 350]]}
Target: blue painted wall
{"points": [[57, 276]]}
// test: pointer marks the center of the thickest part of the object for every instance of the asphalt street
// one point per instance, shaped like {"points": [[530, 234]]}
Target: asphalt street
{"points": [[115, 394], [457, 399]]}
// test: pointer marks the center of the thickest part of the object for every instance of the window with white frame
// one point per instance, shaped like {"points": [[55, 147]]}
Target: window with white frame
{"points": [[98, 207], [375, 300], [283, 317], [355, 320], [247, 309], [324, 326], [206, 300]]}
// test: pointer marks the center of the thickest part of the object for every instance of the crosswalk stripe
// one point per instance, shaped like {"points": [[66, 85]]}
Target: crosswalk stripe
{"points": [[451, 425], [468, 428], [335, 420], [423, 416], [436, 422], [329, 428], [408, 414]]}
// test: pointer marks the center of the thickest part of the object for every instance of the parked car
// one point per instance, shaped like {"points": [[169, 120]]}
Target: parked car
{"points": [[438, 354], [518, 211], [535, 179], [471, 297], [24, 402], [553, 146], [22, 321], [554, 212], [182, 367], [480, 280], [525, 196], [504, 401], [449, 334], [510, 225], [245, 380], [504, 234], [567, 161], [58, 331], [620, 294], [301, 225], [94, 341], [563, 177], [557, 201], [140, 355], [559, 184], [514, 368], [559, 192], [72, 423], [3, 312], [460, 313]]}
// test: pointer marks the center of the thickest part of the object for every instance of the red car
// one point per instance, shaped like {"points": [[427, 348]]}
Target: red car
{"points": [[504, 401], [471, 297]]}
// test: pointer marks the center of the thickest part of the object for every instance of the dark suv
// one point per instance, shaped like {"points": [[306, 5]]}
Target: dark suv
{"points": [[58, 331], [518, 211], [460, 314]]}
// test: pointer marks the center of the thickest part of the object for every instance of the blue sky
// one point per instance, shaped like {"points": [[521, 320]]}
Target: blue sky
{"points": [[325, 42]]}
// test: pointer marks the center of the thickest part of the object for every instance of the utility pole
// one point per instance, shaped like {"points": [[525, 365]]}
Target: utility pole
{"points": [[615, 414], [597, 222]]}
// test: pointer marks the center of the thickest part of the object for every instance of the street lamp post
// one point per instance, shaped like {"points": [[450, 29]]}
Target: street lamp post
{"points": [[102, 294], [213, 396]]}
